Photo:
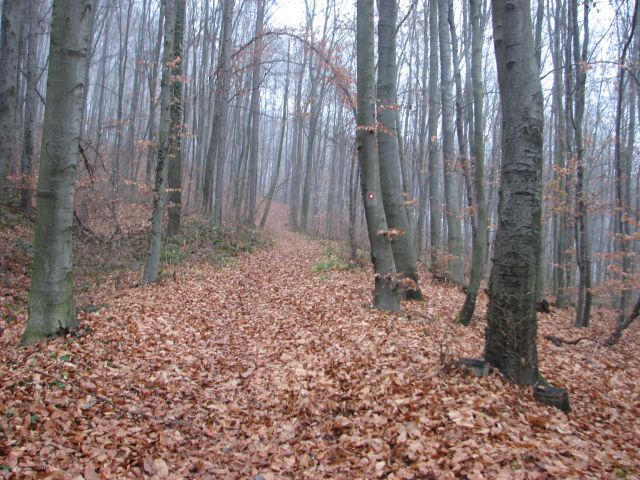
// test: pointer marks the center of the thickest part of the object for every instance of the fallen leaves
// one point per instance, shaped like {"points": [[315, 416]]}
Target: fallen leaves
{"points": [[233, 373]]}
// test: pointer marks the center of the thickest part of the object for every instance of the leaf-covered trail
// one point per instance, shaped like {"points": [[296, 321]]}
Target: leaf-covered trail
{"points": [[264, 369]]}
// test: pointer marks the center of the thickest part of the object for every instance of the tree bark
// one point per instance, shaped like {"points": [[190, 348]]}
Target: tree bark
{"points": [[255, 114], [480, 238], [386, 296], [510, 341], [583, 257], [176, 129], [52, 308], [10, 32], [454, 227], [219, 134], [435, 176], [30, 107], [159, 192], [390, 174]]}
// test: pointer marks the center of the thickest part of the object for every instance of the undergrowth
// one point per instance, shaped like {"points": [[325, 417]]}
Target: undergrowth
{"points": [[333, 258]]}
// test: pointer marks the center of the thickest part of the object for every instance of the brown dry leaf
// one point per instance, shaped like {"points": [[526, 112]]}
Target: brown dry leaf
{"points": [[260, 369]]}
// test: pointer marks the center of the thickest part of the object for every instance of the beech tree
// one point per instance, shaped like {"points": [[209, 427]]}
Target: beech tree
{"points": [[159, 193], [510, 342], [390, 175], [52, 308], [9, 60], [386, 296]]}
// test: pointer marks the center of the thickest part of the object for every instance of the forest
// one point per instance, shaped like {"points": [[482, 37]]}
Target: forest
{"points": [[271, 239]]}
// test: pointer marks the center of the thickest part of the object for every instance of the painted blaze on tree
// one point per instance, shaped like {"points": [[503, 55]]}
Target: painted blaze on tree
{"points": [[511, 318]]}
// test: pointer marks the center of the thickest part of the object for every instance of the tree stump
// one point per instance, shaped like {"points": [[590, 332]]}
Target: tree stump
{"points": [[478, 368], [543, 306], [553, 396]]}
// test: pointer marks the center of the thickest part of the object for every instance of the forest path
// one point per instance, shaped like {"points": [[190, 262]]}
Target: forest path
{"points": [[265, 369]]}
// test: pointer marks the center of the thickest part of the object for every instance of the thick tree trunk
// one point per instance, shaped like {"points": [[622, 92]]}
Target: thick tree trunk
{"points": [[52, 309], [480, 238], [159, 191], [511, 318], [454, 226], [176, 129], [10, 32], [219, 135], [390, 175], [386, 295]]}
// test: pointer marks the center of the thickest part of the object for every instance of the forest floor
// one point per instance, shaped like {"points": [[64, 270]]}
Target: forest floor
{"points": [[276, 366]]}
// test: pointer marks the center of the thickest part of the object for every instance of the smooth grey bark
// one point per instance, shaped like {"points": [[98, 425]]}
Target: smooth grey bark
{"points": [[560, 175], [477, 149], [219, 132], [386, 296], [296, 149], [435, 191], [52, 309], [176, 130], [159, 192], [152, 151], [255, 114], [510, 341], [30, 106], [583, 256], [390, 174], [622, 169], [123, 59], [454, 228], [9, 59]]}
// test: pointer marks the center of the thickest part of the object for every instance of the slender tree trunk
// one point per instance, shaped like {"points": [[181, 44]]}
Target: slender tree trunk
{"points": [[390, 176], [30, 104], [622, 170], [255, 114], [510, 342], [176, 129], [52, 307], [454, 227], [583, 308], [479, 240], [435, 192], [152, 151], [9, 59], [386, 295], [283, 131], [159, 192]]}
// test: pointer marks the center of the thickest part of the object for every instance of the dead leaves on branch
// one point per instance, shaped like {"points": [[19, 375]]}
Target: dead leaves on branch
{"points": [[261, 370]]}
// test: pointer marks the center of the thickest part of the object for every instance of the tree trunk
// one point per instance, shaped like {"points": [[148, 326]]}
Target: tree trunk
{"points": [[255, 114], [52, 309], [223, 81], [390, 175], [435, 192], [176, 129], [510, 342], [10, 32], [454, 227], [480, 238], [386, 296], [583, 257], [159, 193], [283, 131], [30, 107], [622, 170]]}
